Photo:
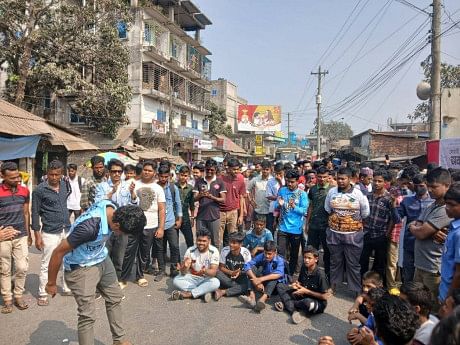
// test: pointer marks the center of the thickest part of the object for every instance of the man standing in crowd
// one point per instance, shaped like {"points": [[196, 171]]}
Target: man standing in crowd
{"points": [[49, 206], [347, 207], [173, 220], [87, 266], [257, 189], [232, 210], [122, 193], [378, 225], [411, 207], [273, 185], [210, 192], [14, 219], [88, 190], [76, 183], [293, 204], [188, 204], [365, 181], [152, 201], [317, 217]]}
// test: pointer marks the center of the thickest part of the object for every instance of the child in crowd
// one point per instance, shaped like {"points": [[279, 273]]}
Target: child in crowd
{"points": [[419, 296], [264, 271], [309, 293], [450, 266], [256, 238], [233, 282], [371, 280], [355, 336], [450, 304]]}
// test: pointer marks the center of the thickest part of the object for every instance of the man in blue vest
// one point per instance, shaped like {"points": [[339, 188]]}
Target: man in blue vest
{"points": [[88, 266]]}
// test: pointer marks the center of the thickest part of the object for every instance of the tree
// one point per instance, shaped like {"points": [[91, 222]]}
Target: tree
{"points": [[450, 78], [334, 130], [218, 121], [57, 48]]}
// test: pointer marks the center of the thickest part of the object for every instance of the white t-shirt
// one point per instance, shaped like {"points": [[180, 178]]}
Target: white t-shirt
{"points": [[243, 258], [202, 260], [423, 334], [73, 201], [150, 194]]}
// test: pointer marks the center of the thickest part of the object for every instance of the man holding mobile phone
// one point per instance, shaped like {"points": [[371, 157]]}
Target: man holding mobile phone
{"points": [[15, 237]]}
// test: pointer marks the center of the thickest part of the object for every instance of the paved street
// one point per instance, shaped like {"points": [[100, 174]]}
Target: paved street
{"points": [[151, 319]]}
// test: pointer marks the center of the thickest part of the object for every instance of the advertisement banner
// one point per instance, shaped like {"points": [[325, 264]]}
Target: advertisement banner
{"points": [[259, 140], [449, 153], [202, 144], [158, 127], [260, 118], [259, 150]]}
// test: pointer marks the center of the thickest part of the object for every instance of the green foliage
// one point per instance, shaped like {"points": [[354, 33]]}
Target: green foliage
{"points": [[334, 130], [59, 48], [450, 78], [217, 121]]}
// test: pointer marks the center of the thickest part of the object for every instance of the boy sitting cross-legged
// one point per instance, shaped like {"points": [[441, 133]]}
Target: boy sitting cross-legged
{"points": [[264, 271], [309, 293]]}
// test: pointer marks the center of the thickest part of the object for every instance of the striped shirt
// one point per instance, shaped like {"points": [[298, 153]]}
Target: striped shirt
{"points": [[12, 207]]}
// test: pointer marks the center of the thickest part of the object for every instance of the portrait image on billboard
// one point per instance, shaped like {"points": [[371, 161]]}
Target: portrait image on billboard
{"points": [[255, 118]]}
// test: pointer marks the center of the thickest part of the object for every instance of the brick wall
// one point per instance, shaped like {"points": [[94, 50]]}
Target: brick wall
{"points": [[396, 146], [80, 158]]}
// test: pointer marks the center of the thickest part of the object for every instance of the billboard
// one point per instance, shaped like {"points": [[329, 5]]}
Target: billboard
{"points": [[259, 118]]}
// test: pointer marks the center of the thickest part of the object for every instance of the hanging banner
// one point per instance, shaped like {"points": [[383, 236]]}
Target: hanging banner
{"points": [[259, 118], [449, 153], [259, 150], [259, 140], [22, 147]]}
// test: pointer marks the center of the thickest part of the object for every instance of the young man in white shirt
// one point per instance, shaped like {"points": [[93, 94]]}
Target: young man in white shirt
{"points": [[198, 270], [76, 182], [152, 201]]}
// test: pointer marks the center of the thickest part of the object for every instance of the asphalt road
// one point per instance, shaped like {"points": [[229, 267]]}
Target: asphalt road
{"points": [[151, 319]]}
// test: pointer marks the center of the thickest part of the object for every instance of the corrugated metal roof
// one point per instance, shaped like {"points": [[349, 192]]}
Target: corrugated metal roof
{"points": [[19, 122]]}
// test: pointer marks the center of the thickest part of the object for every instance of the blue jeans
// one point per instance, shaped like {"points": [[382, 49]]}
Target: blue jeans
{"points": [[197, 285]]}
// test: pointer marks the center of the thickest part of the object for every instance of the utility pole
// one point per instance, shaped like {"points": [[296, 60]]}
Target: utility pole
{"points": [[289, 128], [170, 130], [318, 110], [435, 118]]}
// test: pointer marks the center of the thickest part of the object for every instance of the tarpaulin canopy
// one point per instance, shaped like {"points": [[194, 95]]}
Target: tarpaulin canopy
{"points": [[22, 147]]}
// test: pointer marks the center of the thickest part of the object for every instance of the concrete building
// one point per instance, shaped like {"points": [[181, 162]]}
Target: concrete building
{"points": [[169, 74], [450, 113], [224, 94]]}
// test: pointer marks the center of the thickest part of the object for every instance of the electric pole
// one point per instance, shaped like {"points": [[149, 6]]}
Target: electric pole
{"points": [[435, 118], [289, 128], [318, 110]]}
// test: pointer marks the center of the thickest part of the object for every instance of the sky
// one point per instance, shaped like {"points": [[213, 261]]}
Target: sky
{"points": [[268, 48]]}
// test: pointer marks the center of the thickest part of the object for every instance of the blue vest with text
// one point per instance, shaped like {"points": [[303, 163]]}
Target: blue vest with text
{"points": [[94, 252]]}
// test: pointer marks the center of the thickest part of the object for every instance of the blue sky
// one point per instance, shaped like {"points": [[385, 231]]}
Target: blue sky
{"points": [[268, 48]]}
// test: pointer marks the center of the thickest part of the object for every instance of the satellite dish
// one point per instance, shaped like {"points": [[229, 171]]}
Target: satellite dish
{"points": [[423, 90]]}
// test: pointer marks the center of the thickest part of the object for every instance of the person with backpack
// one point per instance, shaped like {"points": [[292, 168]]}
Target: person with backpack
{"points": [[173, 222], [76, 182]]}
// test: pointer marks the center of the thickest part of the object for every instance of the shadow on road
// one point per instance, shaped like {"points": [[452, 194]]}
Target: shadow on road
{"points": [[321, 325], [52, 332]]}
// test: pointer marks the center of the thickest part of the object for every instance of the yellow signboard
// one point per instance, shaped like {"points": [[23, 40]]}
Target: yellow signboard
{"points": [[259, 151], [259, 140]]}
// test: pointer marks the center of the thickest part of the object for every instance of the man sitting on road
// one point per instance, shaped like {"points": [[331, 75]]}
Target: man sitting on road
{"points": [[198, 270], [233, 282], [265, 271]]}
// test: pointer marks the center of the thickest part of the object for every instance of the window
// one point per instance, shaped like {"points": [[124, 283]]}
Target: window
{"points": [[205, 125], [183, 120], [214, 92], [161, 115], [194, 124], [75, 118], [122, 30]]}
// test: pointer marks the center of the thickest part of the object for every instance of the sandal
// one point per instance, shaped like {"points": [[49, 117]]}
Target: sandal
{"points": [[43, 301], [143, 282], [176, 295], [7, 307], [20, 304], [279, 306]]}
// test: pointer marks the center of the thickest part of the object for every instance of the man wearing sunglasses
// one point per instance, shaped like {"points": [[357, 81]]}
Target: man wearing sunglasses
{"points": [[121, 192]]}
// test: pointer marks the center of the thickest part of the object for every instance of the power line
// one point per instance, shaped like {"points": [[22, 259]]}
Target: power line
{"points": [[410, 5]]}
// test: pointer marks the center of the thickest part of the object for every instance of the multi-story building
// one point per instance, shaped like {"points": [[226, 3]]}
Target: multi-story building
{"points": [[169, 74], [224, 94]]}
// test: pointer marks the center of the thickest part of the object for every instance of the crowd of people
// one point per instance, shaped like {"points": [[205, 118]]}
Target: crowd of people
{"points": [[389, 234]]}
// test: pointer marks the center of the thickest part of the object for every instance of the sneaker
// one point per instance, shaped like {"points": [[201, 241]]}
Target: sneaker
{"points": [[122, 284], [250, 303], [207, 297], [296, 318], [159, 276], [66, 293], [394, 291], [175, 295], [259, 306]]}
